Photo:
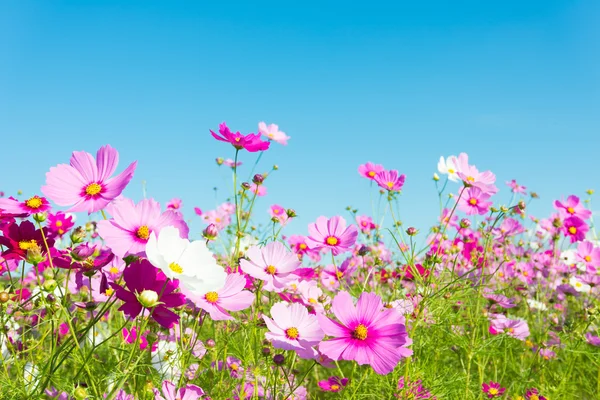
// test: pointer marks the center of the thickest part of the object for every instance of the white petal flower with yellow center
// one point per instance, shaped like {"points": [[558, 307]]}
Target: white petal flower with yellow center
{"points": [[191, 263]]}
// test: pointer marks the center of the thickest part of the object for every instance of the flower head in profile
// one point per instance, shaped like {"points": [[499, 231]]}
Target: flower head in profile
{"points": [[292, 327], [534, 394], [273, 264], [190, 262], [86, 184], [515, 187], [272, 132], [367, 333], [174, 204], [331, 234], [370, 170], [250, 142], [390, 180], [132, 224], [448, 167], [32, 205], [147, 287], [333, 384]]}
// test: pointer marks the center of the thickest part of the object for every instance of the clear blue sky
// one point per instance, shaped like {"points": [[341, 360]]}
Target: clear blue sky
{"points": [[516, 84]]}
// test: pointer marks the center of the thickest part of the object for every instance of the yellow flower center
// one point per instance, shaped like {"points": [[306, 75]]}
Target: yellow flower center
{"points": [[27, 244], [292, 333], [534, 397], [312, 301], [360, 332], [303, 246], [234, 366], [270, 270], [587, 258], [175, 268], [61, 231], [58, 224], [277, 211], [143, 232], [332, 240], [493, 391], [451, 171], [470, 179], [93, 189], [335, 387], [510, 330], [371, 173], [237, 139], [473, 201], [570, 210], [35, 202], [572, 230], [339, 274], [109, 291], [212, 297], [390, 184], [113, 270]]}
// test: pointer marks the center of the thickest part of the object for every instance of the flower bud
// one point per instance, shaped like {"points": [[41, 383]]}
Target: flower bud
{"points": [[80, 393], [210, 343], [219, 161], [291, 213], [504, 209], [411, 231], [258, 179], [266, 351], [590, 191], [34, 255], [50, 285], [245, 185], [275, 167], [278, 359], [436, 177], [364, 250], [78, 235], [210, 232], [40, 217], [4, 297], [521, 205], [148, 298], [534, 195], [465, 223]]}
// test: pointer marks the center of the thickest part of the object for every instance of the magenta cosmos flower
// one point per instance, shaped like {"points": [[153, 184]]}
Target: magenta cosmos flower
{"points": [[575, 228], [331, 234], [370, 170], [33, 205], [474, 201], [86, 184], [132, 224], [492, 389], [273, 264], [170, 392], [589, 255], [232, 297], [572, 208], [19, 238], [292, 327], [148, 287], [250, 142], [60, 223], [333, 384], [516, 328], [390, 180], [368, 333], [534, 394]]}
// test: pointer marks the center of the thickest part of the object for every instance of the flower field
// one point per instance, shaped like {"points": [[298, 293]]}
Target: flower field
{"points": [[489, 303]]}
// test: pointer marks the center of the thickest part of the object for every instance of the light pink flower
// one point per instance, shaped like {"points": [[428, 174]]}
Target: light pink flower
{"points": [[174, 204], [474, 201], [272, 132], [276, 211], [390, 180], [86, 184], [33, 205], [170, 392], [232, 297], [273, 264], [332, 234], [370, 170], [292, 327]]}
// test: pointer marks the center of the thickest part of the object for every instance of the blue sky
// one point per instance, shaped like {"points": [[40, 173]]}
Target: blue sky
{"points": [[514, 84]]}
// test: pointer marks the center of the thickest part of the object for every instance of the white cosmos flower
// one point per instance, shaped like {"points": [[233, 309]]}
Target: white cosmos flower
{"points": [[579, 286], [165, 360], [537, 305], [448, 167], [30, 376], [190, 262]]}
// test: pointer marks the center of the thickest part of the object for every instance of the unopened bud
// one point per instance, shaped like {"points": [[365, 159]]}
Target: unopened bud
{"points": [[50, 285], [278, 359], [436, 177], [245, 185], [364, 250], [34, 255], [465, 223], [219, 161], [291, 213], [78, 235], [590, 191], [210, 343], [411, 231], [258, 179], [521, 205], [266, 351], [80, 393], [275, 167], [210, 232], [4, 297], [40, 217], [148, 298], [534, 195]]}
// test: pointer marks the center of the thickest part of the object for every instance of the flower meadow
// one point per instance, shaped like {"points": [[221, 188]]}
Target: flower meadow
{"points": [[490, 302]]}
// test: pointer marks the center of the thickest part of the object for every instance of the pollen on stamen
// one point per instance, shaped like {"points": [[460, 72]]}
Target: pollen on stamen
{"points": [[371, 173], [212, 297], [360, 332], [270, 270], [473, 201], [570, 210], [93, 189], [35, 202], [572, 230], [292, 333], [175, 268], [332, 240], [143, 232]]}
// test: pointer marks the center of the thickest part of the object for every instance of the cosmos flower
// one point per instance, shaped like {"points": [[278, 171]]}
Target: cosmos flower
{"points": [[132, 224], [367, 333], [272, 132], [390, 180], [474, 201], [331, 234], [250, 142], [575, 228], [21, 238], [572, 208], [273, 264], [33, 205], [231, 297], [492, 389], [448, 167], [60, 223], [170, 392], [86, 184], [370, 170], [292, 327], [148, 287], [333, 384], [175, 204]]}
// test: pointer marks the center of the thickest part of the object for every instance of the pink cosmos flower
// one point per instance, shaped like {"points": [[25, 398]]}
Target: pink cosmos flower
{"points": [[370, 170], [272, 132], [332, 234], [130, 337], [575, 228], [499, 299], [390, 180], [273, 264], [593, 340], [60, 223], [276, 211], [174, 204], [471, 175], [231, 163], [534, 394], [259, 190], [547, 354], [218, 218], [516, 188], [332, 275], [299, 245], [365, 223], [492, 389], [516, 328], [250, 142], [232, 297], [572, 208], [333, 384], [85, 184], [474, 201], [589, 255], [170, 392], [132, 224], [33, 205], [148, 287], [292, 327], [367, 333]]}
